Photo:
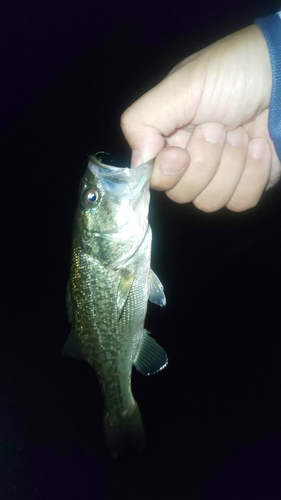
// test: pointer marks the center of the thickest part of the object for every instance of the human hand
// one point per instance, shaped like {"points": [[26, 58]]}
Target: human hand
{"points": [[206, 125]]}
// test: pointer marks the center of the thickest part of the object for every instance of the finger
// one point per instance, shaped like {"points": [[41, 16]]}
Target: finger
{"points": [[254, 178], [170, 165], [221, 188], [205, 149]]}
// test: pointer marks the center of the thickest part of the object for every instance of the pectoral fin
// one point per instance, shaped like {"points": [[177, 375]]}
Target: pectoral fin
{"points": [[151, 358], [156, 294], [123, 291]]}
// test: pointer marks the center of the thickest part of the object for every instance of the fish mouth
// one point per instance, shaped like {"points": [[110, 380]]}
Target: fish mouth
{"points": [[129, 189], [117, 181]]}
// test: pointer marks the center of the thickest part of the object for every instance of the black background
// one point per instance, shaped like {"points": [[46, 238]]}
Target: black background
{"points": [[212, 417]]}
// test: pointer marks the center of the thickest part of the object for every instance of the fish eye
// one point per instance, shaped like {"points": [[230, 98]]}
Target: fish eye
{"points": [[91, 197]]}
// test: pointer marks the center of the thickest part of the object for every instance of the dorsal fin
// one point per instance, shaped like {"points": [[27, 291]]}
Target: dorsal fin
{"points": [[151, 358], [68, 302]]}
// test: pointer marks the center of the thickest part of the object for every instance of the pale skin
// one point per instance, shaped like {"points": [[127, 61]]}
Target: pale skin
{"points": [[206, 125]]}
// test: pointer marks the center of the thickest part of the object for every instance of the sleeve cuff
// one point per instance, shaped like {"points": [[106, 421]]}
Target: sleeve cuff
{"points": [[271, 29]]}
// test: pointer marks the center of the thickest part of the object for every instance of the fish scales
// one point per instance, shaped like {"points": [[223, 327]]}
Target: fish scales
{"points": [[110, 283]]}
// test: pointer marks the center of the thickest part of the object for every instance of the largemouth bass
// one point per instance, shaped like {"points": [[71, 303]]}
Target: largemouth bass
{"points": [[110, 284]]}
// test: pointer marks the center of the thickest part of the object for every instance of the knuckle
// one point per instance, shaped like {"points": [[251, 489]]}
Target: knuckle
{"points": [[201, 166], [206, 204], [177, 196], [240, 203], [127, 118]]}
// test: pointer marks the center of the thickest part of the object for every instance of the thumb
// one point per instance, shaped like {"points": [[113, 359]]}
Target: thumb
{"points": [[156, 115], [145, 141]]}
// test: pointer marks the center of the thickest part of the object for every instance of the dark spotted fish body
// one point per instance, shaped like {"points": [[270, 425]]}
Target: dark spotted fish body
{"points": [[110, 284]]}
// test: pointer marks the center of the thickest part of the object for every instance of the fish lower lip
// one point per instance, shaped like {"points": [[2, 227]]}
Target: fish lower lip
{"points": [[108, 236]]}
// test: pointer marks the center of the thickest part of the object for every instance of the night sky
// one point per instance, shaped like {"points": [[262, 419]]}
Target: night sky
{"points": [[212, 417]]}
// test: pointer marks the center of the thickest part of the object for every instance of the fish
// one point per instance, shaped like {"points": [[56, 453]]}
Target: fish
{"points": [[108, 290]]}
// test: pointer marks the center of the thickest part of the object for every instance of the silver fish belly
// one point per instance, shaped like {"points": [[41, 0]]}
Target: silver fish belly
{"points": [[109, 286]]}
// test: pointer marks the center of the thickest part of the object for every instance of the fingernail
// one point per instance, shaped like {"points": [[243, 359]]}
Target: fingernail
{"points": [[258, 148], [173, 166], [136, 159], [213, 132], [237, 137]]}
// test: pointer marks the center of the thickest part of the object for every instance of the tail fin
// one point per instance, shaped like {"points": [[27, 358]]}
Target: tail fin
{"points": [[124, 430]]}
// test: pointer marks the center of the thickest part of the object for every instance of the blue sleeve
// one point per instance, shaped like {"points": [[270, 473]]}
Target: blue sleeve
{"points": [[271, 29]]}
